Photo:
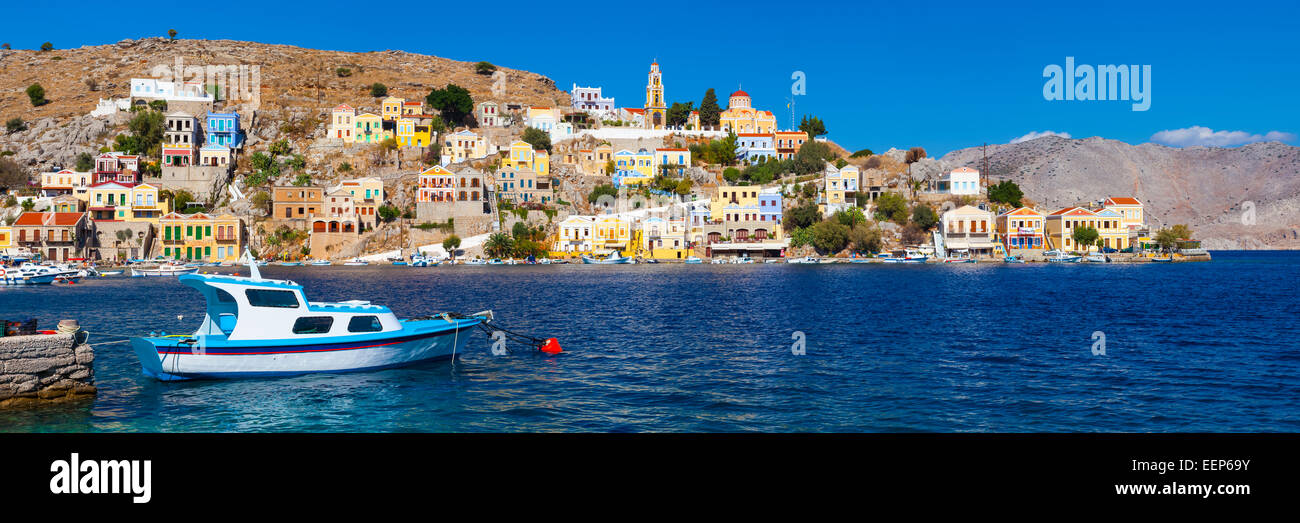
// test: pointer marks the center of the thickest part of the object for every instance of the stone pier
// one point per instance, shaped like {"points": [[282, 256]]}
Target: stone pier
{"points": [[39, 368]]}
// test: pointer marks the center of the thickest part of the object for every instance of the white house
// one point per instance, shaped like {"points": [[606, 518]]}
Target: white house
{"points": [[589, 99], [575, 234], [962, 180], [149, 88]]}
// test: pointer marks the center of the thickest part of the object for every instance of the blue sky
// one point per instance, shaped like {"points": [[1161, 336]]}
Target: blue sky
{"points": [[941, 75]]}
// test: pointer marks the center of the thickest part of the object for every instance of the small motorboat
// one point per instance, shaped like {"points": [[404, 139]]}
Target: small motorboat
{"points": [[959, 260], [496, 261], [320, 263], [166, 269], [651, 260], [614, 258], [290, 264], [356, 262], [718, 261], [805, 259], [909, 259], [1163, 260], [772, 260], [544, 261], [1012, 259], [693, 260], [1062, 258], [476, 261], [742, 259], [111, 273], [420, 260], [255, 327], [1096, 257], [20, 276]]}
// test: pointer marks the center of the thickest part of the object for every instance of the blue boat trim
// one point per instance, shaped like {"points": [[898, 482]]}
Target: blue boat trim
{"points": [[298, 348]]}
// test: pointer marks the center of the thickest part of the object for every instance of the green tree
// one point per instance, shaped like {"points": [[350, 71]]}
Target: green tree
{"points": [[47, 46], [343, 72], [171, 34], [537, 138], [85, 162], [1182, 231], [377, 90], [484, 68], [450, 244], [454, 102], [498, 245], [1085, 237], [36, 94], [279, 148], [302, 180], [809, 189], [830, 236], [158, 105], [147, 131], [850, 217], [1167, 239], [924, 217], [389, 213], [15, 124], [1006, 192], [801, 216], [521, 231], [679, 113], [731, 174], [891, 206], [862, 153], [710, 112], [866, 238], [683, 187], [813, 126]]}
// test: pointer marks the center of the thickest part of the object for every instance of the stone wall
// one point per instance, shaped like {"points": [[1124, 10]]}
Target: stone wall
{"points": [[203, 181], [45, 367]]}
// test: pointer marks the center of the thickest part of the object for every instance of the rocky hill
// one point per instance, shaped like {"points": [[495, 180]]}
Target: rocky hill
{"points": [[1208, 188], [298, 86]]}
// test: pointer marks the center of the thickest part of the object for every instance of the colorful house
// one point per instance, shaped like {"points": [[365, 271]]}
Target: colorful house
{"points": [[411, 133], [391, 108], [343, 123], [201, 237], [116, 166], [215, 155], [436, 184], [180, 139], [967, 230], [1021, 231], [462, 146], [1131, 211], [65, 181], [119, 202], [675, 160], [369, 128], [488, 114], [1111, 230], [575, 235], [1060, 227], [755, 147], [788, 143], [54, 236], [612, 232], [664, 239], [543, 118], [960, 181], [223, 129], [633, 168], [367, 196], [841, 189]]}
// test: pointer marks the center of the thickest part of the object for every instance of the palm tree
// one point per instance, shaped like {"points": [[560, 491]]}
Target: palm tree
{"points": [[498, 245]]}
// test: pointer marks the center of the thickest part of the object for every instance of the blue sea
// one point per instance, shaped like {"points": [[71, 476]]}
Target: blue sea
{"points": [[1191, 347]]}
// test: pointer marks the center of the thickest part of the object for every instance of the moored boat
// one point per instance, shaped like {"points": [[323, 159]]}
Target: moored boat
{"points": [[166, 269], [18, 276], [356, 262], [805, 259], [693, 260], [613, 259], [259, 327], [1012, 259]]}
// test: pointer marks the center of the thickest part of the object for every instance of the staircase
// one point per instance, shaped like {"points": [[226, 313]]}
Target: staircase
{"points": [[939, 250]]}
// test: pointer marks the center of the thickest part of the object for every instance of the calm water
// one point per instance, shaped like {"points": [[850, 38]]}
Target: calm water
{"points": [[984, 347]]}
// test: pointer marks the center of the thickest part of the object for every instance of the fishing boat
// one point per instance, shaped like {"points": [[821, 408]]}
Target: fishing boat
{"points": [[111, 273], [805, 259], [772, 260], [544, 261], [401, 263], [718, 261], [1164, 260], [742, 259], [320, 263], [257, 327], [19, 276], [476, 261], [1062, 258], [290, 264], [420, 260], [166, 269], [1096, 257], [693, 260], [356, 262], [1012, 259], [959, 260], [495, 261], [614, 258]]}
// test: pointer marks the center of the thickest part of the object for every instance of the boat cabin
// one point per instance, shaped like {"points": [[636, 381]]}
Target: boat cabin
{"points": [[244, 308]]}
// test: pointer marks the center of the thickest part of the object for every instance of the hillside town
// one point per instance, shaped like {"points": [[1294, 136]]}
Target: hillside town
{"points": [[397, 175]]}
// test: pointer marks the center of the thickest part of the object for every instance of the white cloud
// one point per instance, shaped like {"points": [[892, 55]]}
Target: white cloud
{"points": [[1039, 134], [1197, 135]]}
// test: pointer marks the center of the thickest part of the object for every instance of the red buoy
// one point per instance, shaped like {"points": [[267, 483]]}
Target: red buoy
{"points": [[552, 346]]}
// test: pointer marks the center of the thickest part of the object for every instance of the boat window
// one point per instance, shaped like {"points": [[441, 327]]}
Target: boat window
{"points": [[313, 325], [270, 298], [224, 297], [365, 324]]}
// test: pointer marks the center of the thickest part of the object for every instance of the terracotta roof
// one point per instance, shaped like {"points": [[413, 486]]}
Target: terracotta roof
{"points": [[1021, 211], [964, 170], [740, 93], [671, 149], [1122, 201], [54, 219], [1070, 211]]}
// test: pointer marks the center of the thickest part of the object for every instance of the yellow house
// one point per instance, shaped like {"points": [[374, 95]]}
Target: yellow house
{"points": [[391, 108], [462, 146], [1060, 227], [840, 183], [412, 108], [574, 236], [369, 129], [147, 205], [1111, 229], [664, 239], [612, 233], [1020, 231], [343, 123], [633, 168], [201, 237], [410, 133], [367, 196], [541, 162], [677, 160], [1130, 210], [6, 237], [733, 197]]}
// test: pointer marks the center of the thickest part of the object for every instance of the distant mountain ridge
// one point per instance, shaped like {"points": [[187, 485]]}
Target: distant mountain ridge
{"points": [[1214, 190]]}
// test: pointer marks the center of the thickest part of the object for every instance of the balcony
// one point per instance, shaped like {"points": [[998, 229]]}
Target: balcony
{"points": [[224, 238]]}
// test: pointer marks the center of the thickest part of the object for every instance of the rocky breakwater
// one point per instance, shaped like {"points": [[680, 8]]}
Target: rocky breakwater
{"points": [[46, 367]]}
